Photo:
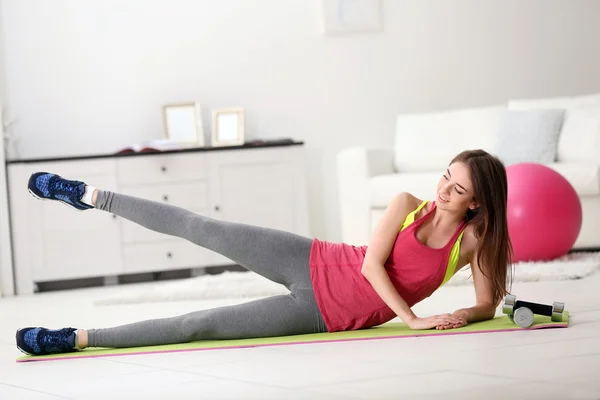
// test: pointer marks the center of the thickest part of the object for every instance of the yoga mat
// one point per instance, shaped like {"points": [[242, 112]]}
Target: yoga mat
{"points": [[389, 330]]}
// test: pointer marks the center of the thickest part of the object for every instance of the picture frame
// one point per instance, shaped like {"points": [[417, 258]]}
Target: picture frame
{"points": [[228, 127], [183, 123]]}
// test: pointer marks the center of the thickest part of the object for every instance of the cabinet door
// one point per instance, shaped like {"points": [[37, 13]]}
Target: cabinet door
{"points": [[262, 187], [80, 244], [192, 196], [60, 242]]}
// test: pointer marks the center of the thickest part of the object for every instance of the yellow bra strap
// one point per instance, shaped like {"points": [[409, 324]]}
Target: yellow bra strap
{"points": [[410, 218], [453, 260]]}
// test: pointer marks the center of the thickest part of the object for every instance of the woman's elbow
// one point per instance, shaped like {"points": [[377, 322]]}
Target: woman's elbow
{"points": [[364, 270], [489, 311], [368, 269]]}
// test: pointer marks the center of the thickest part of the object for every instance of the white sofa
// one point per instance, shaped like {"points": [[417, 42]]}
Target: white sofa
{"points": [[426, 142]]}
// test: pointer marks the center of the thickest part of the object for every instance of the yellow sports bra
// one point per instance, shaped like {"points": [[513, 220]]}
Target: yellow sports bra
{"points": [[454, 254]]}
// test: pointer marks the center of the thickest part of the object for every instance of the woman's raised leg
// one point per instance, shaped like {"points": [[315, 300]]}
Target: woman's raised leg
{"points": [[277, 255], [280, 256]]}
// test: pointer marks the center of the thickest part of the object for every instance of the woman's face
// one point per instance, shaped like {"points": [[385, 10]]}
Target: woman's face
{"points": [[455, 190]]}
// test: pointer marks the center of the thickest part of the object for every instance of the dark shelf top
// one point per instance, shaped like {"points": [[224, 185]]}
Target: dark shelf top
{"points": [[246, 146]]}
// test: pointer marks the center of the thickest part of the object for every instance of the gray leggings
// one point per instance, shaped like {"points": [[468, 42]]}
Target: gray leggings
{"points": [[279, 256]]}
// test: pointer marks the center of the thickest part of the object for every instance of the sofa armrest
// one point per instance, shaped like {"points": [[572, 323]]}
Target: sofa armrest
{"points": [[355, 166]]}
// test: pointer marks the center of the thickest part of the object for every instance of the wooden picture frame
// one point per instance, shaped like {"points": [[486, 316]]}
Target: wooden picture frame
{"points": [[228, 127], [183, 123]]}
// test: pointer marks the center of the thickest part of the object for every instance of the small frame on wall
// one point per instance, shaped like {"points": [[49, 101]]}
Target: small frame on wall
{"points": [[183, 123], [228, 127]]}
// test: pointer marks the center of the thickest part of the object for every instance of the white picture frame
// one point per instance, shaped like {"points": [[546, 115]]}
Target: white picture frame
{"points": [[340, 17], [227, 127], [183, 123]]}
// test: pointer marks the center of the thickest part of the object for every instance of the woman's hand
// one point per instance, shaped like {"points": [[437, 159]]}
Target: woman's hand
{"points": [[437, 321], [462, 321]]}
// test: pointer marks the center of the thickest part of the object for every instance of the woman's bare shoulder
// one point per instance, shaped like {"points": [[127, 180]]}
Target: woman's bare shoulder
{"points": [[469, 241], [410, 199]]}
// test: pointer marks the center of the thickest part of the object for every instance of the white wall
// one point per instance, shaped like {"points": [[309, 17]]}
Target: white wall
{"points": [[6, 272], [86, 76]]}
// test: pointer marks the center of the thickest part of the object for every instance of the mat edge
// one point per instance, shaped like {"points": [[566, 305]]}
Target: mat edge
{"points": [[225, 347]]}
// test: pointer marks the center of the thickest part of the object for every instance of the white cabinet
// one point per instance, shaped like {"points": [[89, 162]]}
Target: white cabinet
{"points": [[52, 241], [179, 179], [73, 243], [263, 186]]}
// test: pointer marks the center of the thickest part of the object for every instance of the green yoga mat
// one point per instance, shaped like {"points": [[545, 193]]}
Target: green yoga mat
{"points": [[389, 330]]}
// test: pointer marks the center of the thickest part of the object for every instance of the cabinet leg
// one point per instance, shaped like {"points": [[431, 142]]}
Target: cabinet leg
{"points": [[25, 287], [111, 280], [195, 272]]}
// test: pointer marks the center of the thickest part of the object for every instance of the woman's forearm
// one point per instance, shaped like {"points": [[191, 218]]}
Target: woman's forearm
{"points": [[476, 313], [381, 282]]}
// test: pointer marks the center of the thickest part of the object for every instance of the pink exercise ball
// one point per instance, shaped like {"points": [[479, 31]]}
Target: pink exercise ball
{"points": [[544, 212]]}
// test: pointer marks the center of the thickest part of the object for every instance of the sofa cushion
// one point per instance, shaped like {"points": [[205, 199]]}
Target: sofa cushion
{"points": [[566, 102], [584, 177], [427, 142], [579, 139], [529, 135], [420, 184]]}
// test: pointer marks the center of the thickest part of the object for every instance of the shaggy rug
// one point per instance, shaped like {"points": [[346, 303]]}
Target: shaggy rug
{"points": [[250, 284]]}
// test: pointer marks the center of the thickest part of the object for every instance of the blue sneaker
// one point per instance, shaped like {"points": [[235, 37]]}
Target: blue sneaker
{"points": [[46, 186], [42, 341]]}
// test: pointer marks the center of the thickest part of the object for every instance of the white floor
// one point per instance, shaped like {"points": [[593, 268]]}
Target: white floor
{"points": [[543, 364]]}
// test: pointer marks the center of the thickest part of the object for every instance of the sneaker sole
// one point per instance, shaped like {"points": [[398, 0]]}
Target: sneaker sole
{"points": [[60, 201]]}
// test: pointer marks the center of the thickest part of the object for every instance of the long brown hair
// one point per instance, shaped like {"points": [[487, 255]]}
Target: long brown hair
{"points": [[489, 220]]}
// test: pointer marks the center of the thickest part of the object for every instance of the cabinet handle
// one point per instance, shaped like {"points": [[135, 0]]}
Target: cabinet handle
{"points": [[163, 168], [216, 208], [166, 197], [169, 255], [114, 216]]}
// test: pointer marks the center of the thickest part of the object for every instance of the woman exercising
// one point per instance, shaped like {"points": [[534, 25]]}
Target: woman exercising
{"points": [[416, 247]]}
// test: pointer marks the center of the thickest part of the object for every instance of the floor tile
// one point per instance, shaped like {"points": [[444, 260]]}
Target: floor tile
{"points": [[302, 370], [54, 376], [409, 386], [216, 389], [12, 392], [561, 369], [134, 384], [520, 391], [540, 351]]}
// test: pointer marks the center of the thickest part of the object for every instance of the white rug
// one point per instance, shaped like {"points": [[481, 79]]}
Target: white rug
{"points": [[249, 284]]}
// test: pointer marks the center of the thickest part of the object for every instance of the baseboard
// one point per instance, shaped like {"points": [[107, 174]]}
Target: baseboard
{"points": [[584, 250]]}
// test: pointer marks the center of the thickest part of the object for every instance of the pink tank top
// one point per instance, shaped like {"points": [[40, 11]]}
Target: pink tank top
{"points": [[345, 297]]}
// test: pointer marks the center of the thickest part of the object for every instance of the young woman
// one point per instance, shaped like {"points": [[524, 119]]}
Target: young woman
{"points": [[417, 246]]}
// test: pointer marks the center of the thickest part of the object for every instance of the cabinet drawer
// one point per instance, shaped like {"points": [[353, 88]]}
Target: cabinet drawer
{"points": [[191, 196], [164, 255], [161, 168]]}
